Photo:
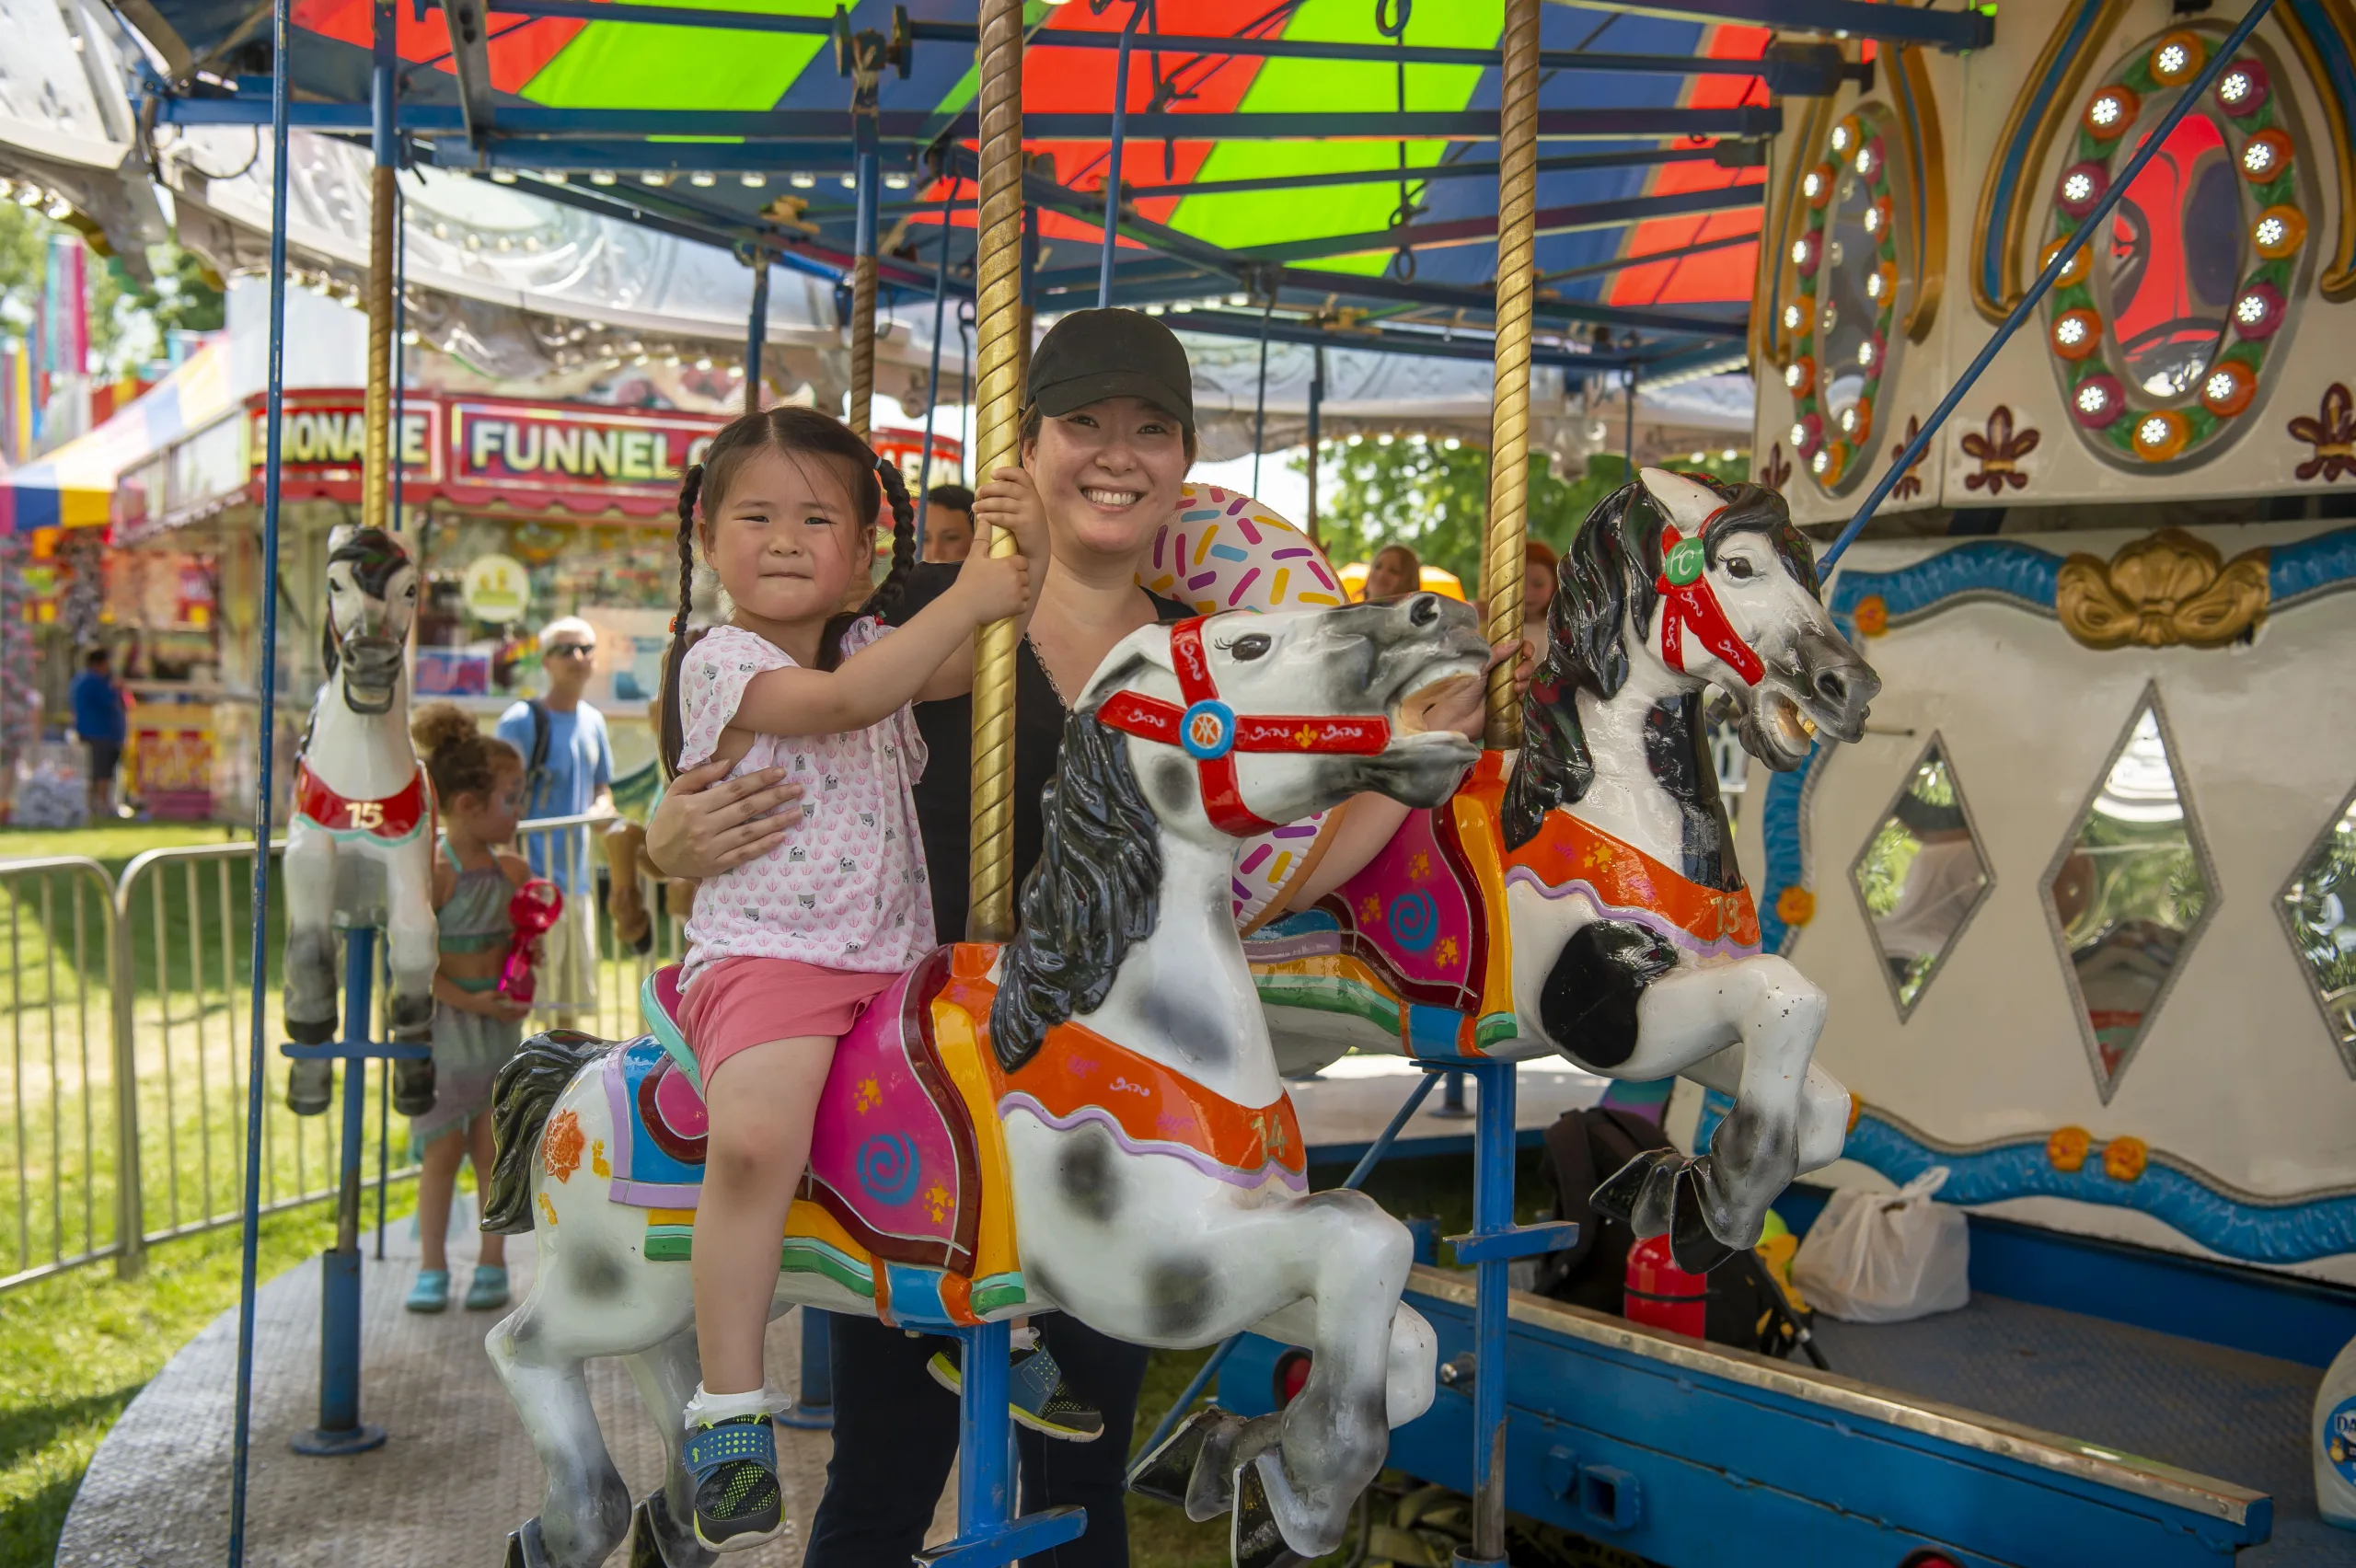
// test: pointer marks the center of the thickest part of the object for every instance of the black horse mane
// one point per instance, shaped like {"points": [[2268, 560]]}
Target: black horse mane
{"points": [[1605, 584], [374, 556], [1088, 899]]}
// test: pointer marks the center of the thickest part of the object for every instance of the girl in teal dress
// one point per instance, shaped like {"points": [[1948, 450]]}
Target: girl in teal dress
{"points": [[479, 785]]}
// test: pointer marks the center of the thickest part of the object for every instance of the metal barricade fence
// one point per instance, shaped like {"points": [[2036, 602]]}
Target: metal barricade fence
{"points": [[127, 1013]]}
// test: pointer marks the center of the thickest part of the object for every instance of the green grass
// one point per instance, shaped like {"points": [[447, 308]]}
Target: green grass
{"points": [[76, 1347]]}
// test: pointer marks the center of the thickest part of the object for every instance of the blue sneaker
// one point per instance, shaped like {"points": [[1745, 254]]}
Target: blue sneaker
{"points": [[430, 1293], [488, 1291], [738, 1505]]}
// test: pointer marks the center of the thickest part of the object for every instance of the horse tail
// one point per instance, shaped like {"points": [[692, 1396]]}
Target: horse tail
{"points": [[520, 1097]]}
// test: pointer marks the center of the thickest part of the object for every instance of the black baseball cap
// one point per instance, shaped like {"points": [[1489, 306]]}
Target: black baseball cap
{"points": [[1090, 355]]}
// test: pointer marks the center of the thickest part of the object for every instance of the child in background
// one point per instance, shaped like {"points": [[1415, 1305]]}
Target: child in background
{"points": [[786, 951], [477, 785]]}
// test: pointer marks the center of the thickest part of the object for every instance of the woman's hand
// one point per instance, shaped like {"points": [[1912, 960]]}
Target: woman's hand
{"points": [[709, 823], [1010, 500], [1460, 704]]}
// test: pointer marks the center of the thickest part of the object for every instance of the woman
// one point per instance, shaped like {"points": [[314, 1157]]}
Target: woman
{"points": [[1108, 434]]}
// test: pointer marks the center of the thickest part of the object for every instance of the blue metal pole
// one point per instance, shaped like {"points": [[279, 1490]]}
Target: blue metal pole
{"points": [[386, 87], [1452, 1103], [2088, 227], [933, 381], [340, 1430], [1113, 157], [1492, 1214], [1259, 403], [241, 1439], [984, 1497], [813, 1400], [1356, 1178]]}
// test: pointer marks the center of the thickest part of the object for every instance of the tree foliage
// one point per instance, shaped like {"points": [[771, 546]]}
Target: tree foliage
{"points": [[1433, 496], [127, 317]]}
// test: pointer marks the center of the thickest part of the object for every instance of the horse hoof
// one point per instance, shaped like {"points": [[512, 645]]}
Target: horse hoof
{"points": [[657, 1541], [1186, 1471], [524, 1547], [1641, 1194], [310, 1086], [1254, 1538], [311, 1032], [1691, 1244]]}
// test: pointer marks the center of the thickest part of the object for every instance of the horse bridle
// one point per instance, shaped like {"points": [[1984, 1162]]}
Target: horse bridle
{"points": [[1688, 600], [1212, 732]]}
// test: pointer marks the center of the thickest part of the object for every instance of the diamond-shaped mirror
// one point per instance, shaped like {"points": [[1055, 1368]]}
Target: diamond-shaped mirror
{"points": [[2129, 892], [2318, 907], [1920, 876]]}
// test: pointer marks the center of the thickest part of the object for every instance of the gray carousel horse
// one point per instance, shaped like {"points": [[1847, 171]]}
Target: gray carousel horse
{"points": [[1088, 1119]]}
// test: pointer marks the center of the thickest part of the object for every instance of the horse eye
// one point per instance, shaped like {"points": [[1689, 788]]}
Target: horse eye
{"points": [[1251, 645], [1737, 568]]}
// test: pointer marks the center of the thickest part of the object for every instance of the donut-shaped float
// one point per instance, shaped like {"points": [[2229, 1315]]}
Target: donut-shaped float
{"points": [[1227, 551]]}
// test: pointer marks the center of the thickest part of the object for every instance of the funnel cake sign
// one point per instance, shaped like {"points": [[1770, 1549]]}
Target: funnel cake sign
{"points": [[537, 446]]}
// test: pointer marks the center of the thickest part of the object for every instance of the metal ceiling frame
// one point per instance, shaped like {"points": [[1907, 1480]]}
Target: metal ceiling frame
{"points": [[632, 154]]}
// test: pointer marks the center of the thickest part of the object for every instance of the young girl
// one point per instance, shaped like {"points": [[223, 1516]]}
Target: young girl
{"points": [[477, 785], [786, 951]]}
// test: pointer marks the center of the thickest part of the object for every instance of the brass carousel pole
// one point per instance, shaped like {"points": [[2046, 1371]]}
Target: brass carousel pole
{"points": [[383, 208], [998, 396], [1501, 570], [866, 74]]}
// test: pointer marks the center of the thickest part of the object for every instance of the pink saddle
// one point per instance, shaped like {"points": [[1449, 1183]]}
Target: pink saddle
{"points": [[1414, 916], [892, 1152]]}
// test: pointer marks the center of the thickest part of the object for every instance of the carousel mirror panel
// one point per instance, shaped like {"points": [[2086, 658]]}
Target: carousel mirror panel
{"points": [[2128, 894], [1920, 877], [2318, 909]]}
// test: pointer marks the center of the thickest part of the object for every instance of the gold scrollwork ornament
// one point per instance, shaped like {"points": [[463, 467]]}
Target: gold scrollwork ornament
{"points": [[2167, 589]]}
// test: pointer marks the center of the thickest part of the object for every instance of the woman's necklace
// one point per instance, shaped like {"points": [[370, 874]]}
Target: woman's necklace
{"points": [[1040, 654]]}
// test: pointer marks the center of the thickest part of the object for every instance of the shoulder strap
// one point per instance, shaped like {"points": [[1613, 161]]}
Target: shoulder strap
{"points": [[536, 767]]}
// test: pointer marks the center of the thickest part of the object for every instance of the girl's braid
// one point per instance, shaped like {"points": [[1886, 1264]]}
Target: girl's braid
{"points": [[885, 603], [690, 485]]}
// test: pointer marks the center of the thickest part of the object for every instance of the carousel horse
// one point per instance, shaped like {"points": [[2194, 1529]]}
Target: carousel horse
{"points": [[1583, 895], [360, 844], [1088, 1119]]}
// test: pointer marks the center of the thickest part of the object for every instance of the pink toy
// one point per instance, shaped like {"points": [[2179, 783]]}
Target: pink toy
{"points": [[536, 908]]}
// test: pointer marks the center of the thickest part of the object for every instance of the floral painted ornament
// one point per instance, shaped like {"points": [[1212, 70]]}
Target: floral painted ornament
{"points": [[2332, 434]]}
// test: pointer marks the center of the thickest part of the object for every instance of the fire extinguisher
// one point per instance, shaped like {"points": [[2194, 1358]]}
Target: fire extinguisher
{"points": [[1662, 1296]]}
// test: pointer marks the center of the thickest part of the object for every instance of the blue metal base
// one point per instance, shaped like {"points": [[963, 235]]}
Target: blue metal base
{"points": [[988, 1535], [1009, 1542], [320, 1443]]}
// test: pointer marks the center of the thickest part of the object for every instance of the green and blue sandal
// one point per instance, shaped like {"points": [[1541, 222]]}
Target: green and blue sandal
{"points": [[1036, 1395], [430, 1293], [733, 1462], [488, 1292]]}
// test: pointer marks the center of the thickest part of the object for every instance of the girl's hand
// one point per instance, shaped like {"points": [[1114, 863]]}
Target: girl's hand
{"points": [[709, 823], [1460, 704], [505, 1009], [1010, 500], [994, 586]]}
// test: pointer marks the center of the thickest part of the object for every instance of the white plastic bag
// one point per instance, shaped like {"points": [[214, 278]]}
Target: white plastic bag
{"points": [[1886, 1257]]}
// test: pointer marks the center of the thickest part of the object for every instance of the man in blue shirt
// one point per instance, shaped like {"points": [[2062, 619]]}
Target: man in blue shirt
{"points": [[100, 721], [568, 770]]}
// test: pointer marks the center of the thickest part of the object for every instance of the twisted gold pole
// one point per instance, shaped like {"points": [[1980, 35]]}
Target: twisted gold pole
{"points": [[1501, 570], [997, 437], [863, 345], [376, 441]]}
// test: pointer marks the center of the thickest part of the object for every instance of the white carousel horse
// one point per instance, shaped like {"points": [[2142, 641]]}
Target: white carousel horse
{"points": [[1088, 1119], [1583, 896], [360, 845]]}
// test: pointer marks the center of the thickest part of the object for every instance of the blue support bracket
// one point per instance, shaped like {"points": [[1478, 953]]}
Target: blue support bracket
{"points": [[988, 1535], [340, 1431], [1521, 1241]]}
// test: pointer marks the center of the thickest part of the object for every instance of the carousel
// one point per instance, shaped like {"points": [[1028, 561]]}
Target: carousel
{"points": [[2040, 491]]}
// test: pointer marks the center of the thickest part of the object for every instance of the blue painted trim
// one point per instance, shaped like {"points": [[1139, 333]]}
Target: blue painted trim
{"points": [[2323, 564], [2018, 574], [916, 1297], [1779, 826], [2331, 48], [2295, 1230], [2009, 192]]}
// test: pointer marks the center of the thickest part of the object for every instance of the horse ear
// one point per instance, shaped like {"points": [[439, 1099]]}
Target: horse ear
{"points": [[1148, 648], [340, 535], [1686, 503]]}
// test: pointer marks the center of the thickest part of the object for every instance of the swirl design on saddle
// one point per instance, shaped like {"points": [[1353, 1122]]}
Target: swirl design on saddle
{"points": [[889, 1167], [1414, 921]]}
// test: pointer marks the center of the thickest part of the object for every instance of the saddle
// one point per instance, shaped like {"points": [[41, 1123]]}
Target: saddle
{"points": [[907, 1198], [395, 819], [1418, 940]]}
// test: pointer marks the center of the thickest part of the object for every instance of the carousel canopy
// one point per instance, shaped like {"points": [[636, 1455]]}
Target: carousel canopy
{"points": [[1318, 170]]}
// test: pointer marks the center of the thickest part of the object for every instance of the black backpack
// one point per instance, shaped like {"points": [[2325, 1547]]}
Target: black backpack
{"points": [[1747, 1307]]}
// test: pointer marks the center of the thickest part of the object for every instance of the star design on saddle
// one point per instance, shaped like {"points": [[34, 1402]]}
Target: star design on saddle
{"points": [[936, 1201], [870, 1095], [1420, 866], [1370, 908], [1447, 953]]}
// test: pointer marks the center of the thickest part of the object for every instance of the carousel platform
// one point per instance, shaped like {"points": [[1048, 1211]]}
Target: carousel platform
{"points": [[455, 1474]]}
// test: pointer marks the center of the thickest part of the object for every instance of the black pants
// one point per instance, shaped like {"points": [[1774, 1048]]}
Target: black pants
{"points": [[895, 1437]]}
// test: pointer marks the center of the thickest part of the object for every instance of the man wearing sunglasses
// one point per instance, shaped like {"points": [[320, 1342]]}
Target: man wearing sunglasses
{"points": [[568, 770]]}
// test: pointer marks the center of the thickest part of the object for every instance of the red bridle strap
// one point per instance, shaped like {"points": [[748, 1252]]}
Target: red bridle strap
{"points": [[1693, 602], [1212, 732]]}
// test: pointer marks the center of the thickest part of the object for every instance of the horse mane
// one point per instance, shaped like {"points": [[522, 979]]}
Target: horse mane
{"points": [[1607, 582], [374, 556], [1090, 898]]}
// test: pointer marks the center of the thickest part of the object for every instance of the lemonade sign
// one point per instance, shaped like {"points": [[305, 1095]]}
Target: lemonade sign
{"points": [[497, 590]]}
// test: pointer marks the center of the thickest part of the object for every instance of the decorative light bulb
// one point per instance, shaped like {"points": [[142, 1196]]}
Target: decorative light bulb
{"points": [[1840, 138], [1873, 284], [2257, 157], [896, 181], [702, 180], [1821, 461], [601, 177], [1811, 184], [1865, 353], [1792, 318], [1799, 434], [503, 177], [2092, 398], [1793, 376], [2078, 187], [753, 179], [1873, 220], [801, 180]]}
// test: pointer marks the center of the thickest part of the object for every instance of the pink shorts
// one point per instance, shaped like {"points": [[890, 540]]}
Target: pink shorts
{"points": [[736, 1003]]}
